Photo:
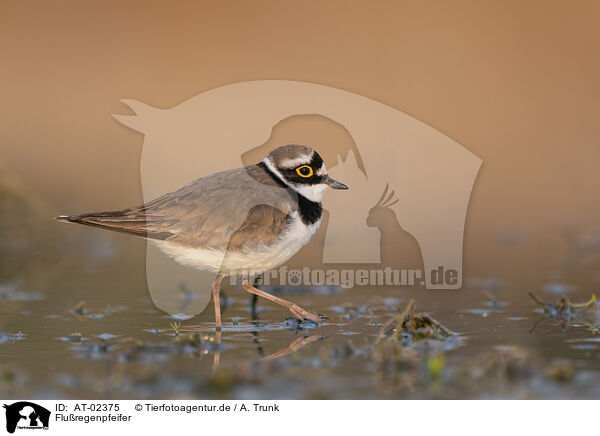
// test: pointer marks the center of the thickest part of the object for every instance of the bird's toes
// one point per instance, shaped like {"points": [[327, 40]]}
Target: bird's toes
{"points": [[315, 318]]}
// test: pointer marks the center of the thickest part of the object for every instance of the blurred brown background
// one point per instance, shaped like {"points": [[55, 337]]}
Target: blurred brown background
{"points": [[516, 82]]}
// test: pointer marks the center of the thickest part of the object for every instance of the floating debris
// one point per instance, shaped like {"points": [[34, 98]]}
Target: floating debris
{"points": [[595, 329], [106, 336], [405, 340], [11, 337], [79, 309], [76, 338], [409, 327], [128, 349], [563, 308]]}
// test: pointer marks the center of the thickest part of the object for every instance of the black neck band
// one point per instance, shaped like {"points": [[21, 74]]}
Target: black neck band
{"points": [[310, 211]]}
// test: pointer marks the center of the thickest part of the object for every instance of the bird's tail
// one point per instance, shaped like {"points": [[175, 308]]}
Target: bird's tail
{"points": [[127, 221]]}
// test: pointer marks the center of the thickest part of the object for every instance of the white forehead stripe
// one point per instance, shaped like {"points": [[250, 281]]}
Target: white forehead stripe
{"points": [[322, 171], [292, 163]]}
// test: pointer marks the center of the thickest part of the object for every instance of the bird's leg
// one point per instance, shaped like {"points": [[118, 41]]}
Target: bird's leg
{"points": [[216, 289], [257, 281], [294, 346], [253, 308], [296, 310], [217, 356], [256, 340]]}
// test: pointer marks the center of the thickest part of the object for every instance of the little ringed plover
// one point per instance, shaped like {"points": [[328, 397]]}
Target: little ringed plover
{"points": [[240, 221]]}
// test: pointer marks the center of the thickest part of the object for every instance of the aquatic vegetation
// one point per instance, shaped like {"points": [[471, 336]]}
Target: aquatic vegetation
{"points": [[408, 327], [175, 326], [435, 365], [408, 341], [564, 309]]}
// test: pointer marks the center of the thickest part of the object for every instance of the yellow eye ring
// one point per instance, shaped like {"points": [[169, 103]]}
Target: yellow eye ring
{"points": [[299, 171]]}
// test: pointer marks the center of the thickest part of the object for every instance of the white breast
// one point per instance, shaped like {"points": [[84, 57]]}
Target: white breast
{"points": [[250, 260]]}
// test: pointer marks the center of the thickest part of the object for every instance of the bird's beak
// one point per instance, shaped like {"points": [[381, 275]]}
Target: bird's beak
{"points": [[334, 183]]}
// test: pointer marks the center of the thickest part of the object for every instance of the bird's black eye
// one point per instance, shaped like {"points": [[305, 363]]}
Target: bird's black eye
{"points": [[304, 171]]}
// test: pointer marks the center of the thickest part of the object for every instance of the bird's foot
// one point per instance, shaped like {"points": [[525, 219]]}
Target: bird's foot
{"points": [[296, 310], [303, 314]]}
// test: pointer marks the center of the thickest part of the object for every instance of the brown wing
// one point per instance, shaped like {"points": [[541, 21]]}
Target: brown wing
{"points": [[263, 224], [224, 209]]}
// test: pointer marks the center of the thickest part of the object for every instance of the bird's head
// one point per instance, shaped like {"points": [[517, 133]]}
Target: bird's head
{"points": [[302, 169]]}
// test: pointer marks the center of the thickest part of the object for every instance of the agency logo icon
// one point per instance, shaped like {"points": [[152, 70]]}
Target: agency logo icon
{"points": [[26, 415], [410, 184]]}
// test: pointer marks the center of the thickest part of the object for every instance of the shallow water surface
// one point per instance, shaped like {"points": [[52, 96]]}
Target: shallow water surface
{"points": [[118, 345]]}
